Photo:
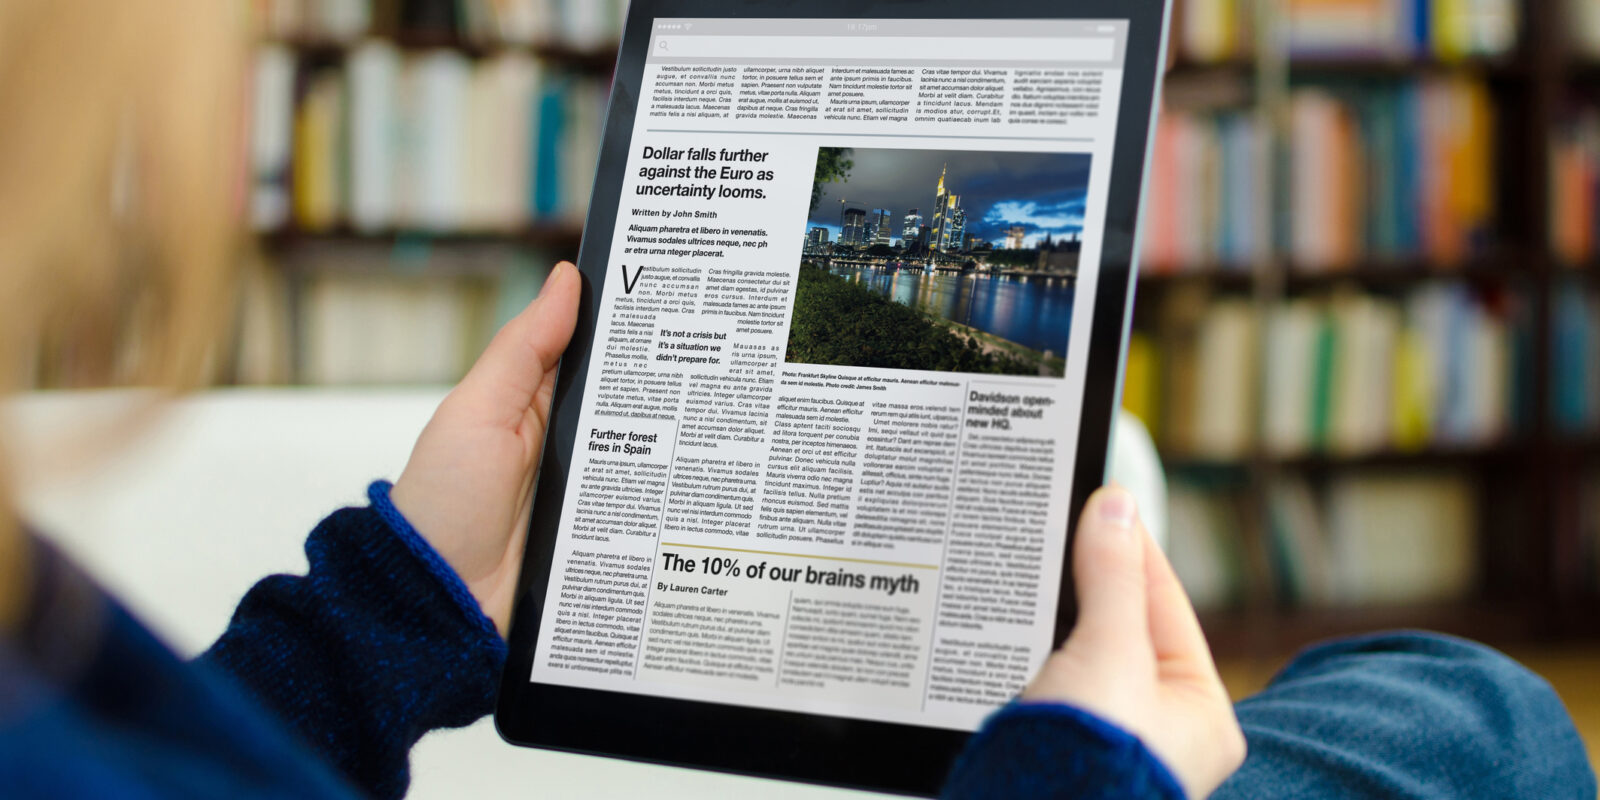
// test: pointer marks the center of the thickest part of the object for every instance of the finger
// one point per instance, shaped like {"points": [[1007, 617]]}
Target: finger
{"points": [[542, 398], [1175, 633], [506, 379], [1108, 567]]}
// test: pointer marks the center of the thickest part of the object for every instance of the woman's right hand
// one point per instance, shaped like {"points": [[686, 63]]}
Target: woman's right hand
{"points": [[1136, 656]]}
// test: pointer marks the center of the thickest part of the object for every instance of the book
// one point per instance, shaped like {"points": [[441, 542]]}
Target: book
{"points": [[1203, 546], [1575, 360], [262, 356], [434, 142], [1292, 332], [271, 144], [1141, 390], [589, 24], [1356, 373], [1401, 538], [1325, 192], [1178, 320], [1575, 188], [1390, 174], [373, 326], [437, 84], [1302, 567], [1346, 27], [1368, 539], [1224, 400], [318, 135], [1363, 372], [374, 79], [1450, 30], [1206, 203], [1213, 31], [521, 21], [1583, 21]]}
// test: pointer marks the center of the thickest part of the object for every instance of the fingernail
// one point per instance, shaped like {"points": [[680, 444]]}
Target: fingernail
{"points": [[1117, 507], [561, 266]]}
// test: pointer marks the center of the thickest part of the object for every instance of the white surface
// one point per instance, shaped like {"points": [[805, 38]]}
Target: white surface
{"points": [[220, 489], [891, 48]]}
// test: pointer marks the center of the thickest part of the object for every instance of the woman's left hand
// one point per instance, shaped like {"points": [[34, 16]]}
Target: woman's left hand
{"points": [[468, 487]]}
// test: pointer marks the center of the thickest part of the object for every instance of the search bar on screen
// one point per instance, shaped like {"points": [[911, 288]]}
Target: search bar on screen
{"points": [[890, 48]]}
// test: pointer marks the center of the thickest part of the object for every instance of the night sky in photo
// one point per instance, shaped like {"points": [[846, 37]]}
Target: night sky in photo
{"points": [[1043, 192]]}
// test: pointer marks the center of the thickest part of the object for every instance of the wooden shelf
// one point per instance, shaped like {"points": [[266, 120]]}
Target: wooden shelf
{"points": [[482, 269], [1583, 273], [1214, 277], [1370, 275], [1278, 632], [1583, 68], [1379, 66], [1441, 456], [599, 60], [1362, 66], [1242, 69], [1582, 445], [554, 235], [1409, 272]]}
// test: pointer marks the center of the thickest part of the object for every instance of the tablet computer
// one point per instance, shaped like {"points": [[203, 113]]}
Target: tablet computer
{"points": [[858, 276]]}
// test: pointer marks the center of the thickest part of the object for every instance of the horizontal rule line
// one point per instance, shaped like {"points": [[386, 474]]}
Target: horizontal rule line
{"points": [[797, 555], [1082, 139]]}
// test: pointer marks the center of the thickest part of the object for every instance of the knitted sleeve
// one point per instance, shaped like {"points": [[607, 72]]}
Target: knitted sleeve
{"points": [[1050, 751], [379, 643]]}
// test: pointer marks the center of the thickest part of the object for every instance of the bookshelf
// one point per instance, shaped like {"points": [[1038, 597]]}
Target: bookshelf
{"points": [[563, 236], [597, 59], [1537, 568], [448, 168], [1535, 485]]}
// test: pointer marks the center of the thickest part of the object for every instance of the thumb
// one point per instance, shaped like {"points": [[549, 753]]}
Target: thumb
{"points": [[1109, 570], [505, 380]]}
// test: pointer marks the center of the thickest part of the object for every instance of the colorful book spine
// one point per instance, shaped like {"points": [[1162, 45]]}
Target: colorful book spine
{"points": [[1575, 361], [1353, 374], [430, 141], [1390, 174], [1215, 31], [584, 24], [1575, 189], [1205, 204], [1583, 20], [272, 142], [1449, 30], [1358, 540]]}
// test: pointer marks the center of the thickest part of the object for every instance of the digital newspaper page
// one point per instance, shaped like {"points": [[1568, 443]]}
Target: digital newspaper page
{"points": [[826, 449]]}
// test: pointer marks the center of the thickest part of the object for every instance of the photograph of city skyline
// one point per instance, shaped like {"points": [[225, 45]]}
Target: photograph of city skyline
{"points": [[947, 260], [995, 200]]}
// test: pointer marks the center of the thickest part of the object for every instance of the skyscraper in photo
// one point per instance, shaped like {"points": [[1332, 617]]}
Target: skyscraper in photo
{"points": [[817, 240], [882, 224], [854, 227], [1015, 236], [941, 201], [913, 223]]}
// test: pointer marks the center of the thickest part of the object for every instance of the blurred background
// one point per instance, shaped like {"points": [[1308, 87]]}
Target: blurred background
{"points": [[1367, 330]]}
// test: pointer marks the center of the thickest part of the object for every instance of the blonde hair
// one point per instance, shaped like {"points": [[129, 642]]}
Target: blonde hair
{"points": [[121, 173]]}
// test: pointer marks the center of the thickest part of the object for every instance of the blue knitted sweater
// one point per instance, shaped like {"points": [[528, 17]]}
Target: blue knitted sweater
{"points": [[323, 682]]}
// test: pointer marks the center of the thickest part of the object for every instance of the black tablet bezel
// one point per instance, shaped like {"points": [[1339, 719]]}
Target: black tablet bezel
{"points": [[901, 759]]}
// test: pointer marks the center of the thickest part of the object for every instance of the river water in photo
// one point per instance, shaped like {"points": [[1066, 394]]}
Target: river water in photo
{"points": [[1035, 312]]}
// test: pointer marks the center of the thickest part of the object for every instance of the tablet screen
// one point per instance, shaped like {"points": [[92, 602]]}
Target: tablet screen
{"points": [[825, 452]]}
